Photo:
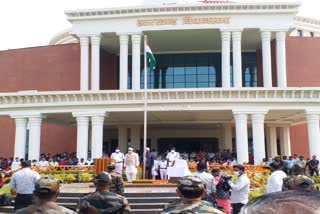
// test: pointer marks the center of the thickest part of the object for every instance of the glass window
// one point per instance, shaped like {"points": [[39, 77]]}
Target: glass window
{"points": [[196, 70]]}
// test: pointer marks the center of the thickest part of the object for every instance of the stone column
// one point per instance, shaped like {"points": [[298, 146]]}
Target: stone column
{"points": [[34, 136], [20, 137], [95, 62], [82, 134], [84, 64], [97, 134], [237, 59], [241, 137], [313, 133], [266, 58], [136, 47], [124, 40], [135, 137], [272, 142], [227, 136], [225, 58], [123, 139], [281, 59], [258, 137], [285, 144]]}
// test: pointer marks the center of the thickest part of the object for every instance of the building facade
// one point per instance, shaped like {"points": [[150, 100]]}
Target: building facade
{"points": [[229, 76]]}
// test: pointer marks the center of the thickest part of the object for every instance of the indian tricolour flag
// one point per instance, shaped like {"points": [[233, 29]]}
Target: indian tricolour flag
{"points": [[150, 57]]}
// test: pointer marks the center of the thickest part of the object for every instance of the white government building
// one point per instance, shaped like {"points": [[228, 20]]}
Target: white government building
{"points": [[205, 88]]}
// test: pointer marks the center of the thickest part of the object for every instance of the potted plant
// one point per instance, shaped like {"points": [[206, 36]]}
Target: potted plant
{"points": [[70, 178]]}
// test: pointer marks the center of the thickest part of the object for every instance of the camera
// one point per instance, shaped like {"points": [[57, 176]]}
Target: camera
{"points": [[226, 177]]}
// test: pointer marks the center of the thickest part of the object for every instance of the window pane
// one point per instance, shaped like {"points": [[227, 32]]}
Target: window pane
{"points": [[179, 78], [203, 78], [169, 78], [191, 78]]}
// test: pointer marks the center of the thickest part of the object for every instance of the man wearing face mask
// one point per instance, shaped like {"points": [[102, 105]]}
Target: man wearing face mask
{"points": [[240, 189], [131, 163], [118, 158], [172, 156]]}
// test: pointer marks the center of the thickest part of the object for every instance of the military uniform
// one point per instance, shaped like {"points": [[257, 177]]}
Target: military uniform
{"points": [[104, 202], [45, 207], [118, 158], [172, 156], [117, 183], [180, 206]]}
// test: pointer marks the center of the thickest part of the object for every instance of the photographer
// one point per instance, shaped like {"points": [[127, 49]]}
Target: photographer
{"points": [[240, 189], [223, 190]]}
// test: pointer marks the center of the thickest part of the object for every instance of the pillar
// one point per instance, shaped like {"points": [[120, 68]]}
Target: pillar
{"points": [[285, 145], [84, 64], [241, 137], [34, 136], [82, 135], [227, 136], [225, 58], [272, 142], [259, 150], [20, 137], [97, 120], [136, 46], [281, 59], [266, 59], [123, 139], [237, 60], [135, 137], [124, 40], [313, 134], [95, 63]]}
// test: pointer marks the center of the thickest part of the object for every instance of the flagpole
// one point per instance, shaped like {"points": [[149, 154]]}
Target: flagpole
{"points": [[145, 110]]}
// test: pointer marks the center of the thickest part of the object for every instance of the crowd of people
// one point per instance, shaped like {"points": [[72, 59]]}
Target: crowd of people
{"points": [[205, 191]]}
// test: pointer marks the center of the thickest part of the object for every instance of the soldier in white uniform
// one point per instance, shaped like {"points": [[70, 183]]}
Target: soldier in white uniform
{"points": [[172, 156], [163, 163], [118, 158], [131, 163]]}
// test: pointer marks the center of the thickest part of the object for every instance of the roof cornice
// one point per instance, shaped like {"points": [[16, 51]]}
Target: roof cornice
{"points": [[216, 8]]}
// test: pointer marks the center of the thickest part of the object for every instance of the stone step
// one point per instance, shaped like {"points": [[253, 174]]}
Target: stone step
{"points": [[146, 211]]}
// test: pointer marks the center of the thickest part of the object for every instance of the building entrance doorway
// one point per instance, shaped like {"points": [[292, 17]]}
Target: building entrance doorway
{"points": [[188, 144]]}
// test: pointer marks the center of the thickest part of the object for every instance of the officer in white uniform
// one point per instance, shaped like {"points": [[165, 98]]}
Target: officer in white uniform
{"points": [[172, 156], [118, 158], [131, 163], [163, 163]]}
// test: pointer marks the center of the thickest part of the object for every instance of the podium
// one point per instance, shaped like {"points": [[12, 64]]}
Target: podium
{"points": [[179, 169], [100, 164]]}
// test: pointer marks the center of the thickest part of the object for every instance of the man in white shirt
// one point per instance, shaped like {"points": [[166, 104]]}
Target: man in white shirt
{"points": [[240, 189], [23, 182], [275, 181], [172, 156], [208, 180], [43, 163], [15, 164], [118, 158], [163, 163]]}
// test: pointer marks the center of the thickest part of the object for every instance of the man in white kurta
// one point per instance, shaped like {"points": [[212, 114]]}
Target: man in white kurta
{"points": [[131, 163], [118, 158]]}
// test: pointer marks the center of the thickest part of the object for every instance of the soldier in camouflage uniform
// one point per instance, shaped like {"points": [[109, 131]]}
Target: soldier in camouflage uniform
{"points": [[117, 181], [191, 189], [298, 182], [102, 200], [47, 192]]}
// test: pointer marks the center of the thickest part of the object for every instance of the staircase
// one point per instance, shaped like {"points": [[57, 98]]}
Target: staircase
{"points": [[141, 202]]}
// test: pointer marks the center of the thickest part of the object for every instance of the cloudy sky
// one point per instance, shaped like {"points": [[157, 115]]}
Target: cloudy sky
{"points": [[28, 23]]}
